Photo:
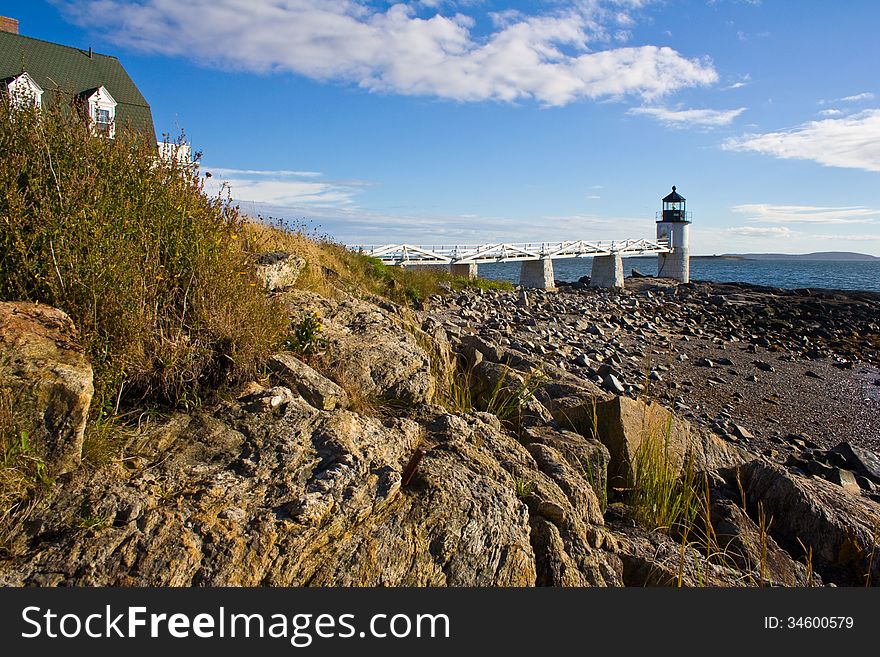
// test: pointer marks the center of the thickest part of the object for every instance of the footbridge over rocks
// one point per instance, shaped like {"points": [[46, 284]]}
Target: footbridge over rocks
{"points": [[536, 257]]}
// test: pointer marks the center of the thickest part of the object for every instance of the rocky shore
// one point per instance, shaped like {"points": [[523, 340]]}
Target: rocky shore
{"points": [[778, 370], [489, 439]]}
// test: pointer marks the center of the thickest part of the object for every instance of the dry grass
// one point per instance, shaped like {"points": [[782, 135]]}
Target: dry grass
{"points": [[153, 272], [332, 268]]}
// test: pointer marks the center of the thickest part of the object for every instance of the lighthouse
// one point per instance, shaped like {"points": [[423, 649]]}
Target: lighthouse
{"points": [[672, 227]]}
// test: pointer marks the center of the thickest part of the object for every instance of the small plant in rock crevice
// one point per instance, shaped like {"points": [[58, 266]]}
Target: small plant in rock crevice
{"points": [[306, 339]]}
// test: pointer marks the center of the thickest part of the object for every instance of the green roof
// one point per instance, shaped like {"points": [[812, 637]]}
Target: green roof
{"points": [[66, 71]]}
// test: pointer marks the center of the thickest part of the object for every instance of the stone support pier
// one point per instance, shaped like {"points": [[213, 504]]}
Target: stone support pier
{"points": [[537, 274], [607, 271], [464, 269]]}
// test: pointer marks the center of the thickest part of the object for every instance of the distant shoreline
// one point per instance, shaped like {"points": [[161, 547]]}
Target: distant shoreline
{"points": [[824, 256]]}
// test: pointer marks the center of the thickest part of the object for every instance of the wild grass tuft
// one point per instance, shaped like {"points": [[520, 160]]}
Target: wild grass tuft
{"points": [[153, 271], [662, 494], [506, 399]]}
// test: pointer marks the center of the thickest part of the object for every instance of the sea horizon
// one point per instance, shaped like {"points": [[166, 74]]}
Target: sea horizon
{"points": [[854, 275]]}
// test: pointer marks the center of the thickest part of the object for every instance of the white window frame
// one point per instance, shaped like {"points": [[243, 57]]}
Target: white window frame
{"points": [[102, 100], [25, 92]]}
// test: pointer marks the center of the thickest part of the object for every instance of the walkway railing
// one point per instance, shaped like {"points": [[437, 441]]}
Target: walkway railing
{"points": [[410, 254]]}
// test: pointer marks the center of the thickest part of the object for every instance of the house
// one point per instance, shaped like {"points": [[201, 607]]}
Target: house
{"points": [[44, 73]]}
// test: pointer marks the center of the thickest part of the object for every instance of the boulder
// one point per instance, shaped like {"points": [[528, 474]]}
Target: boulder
{"points": [[624, 425], [505, 392], [375, 350], [863, 461], [839, 527], [752, 549], [315, 388], [46, 376], [654, 559], [278, 270]]}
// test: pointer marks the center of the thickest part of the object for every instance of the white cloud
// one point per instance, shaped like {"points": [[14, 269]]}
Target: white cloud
{"points": [[857, 97], [682, 118], [222, 171], [280, 188], [808, 214], [850, 238], [761, 232], [830, 112], [852, 142], [624, 19], [550, 57]]}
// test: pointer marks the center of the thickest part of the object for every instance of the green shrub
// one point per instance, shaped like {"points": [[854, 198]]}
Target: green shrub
{"points": [[305, 339], [150, 269]]}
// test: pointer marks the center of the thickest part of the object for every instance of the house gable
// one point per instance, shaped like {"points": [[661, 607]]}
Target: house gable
{"points": [[66, 73], [24, 89]]}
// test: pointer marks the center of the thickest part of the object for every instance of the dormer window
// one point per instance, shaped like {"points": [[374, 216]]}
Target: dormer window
{"points": [[24, 91], [102, 112]]}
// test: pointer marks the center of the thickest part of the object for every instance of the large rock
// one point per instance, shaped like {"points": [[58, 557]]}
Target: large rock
{"points": [[507, 393], [44, 372], [860, 460], [278, 270], [841, 529], [315, 388], [654, 559], [373, 350], [752, 549], [627, 425]]}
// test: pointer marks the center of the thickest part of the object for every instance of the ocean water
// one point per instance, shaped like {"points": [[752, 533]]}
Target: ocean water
{"points": [[792, 274]]}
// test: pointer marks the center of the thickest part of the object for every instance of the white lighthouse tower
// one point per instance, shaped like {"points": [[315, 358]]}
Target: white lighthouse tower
{"points": [[673, 227]]}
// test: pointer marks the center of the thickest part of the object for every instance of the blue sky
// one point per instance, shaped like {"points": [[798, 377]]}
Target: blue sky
{"points": [[442, 121]]}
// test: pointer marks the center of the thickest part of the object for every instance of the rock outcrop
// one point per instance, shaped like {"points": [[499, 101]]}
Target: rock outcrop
{"points": [[278, 271], [288, 494], [297, 482], [370, 349], [48, 379], [837, 529]]}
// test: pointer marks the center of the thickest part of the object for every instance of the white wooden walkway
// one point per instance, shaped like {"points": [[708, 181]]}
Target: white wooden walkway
{"points": [[410, 254]]}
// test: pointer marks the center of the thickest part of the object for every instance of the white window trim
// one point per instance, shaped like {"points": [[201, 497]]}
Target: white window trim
{"points": [[24, 91], [102, 100]]}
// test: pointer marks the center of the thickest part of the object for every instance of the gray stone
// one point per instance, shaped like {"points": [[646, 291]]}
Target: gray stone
{"points": [[838, 526], [316, 389], [278, 270], [845, 479], [47, 380], [863, 461], [612, 384]]}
